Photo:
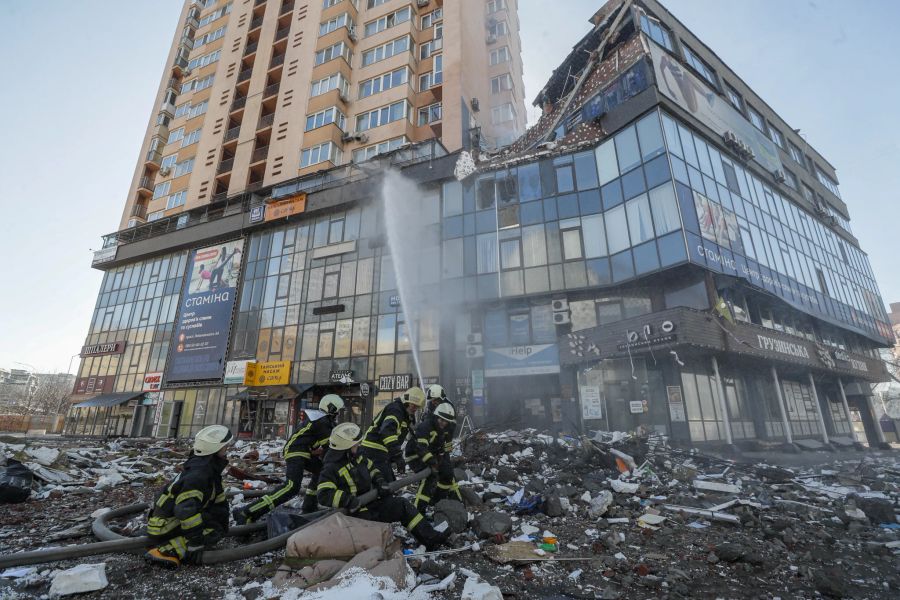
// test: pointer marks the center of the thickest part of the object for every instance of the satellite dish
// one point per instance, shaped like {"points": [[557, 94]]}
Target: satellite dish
{"points": [[892, 408]]}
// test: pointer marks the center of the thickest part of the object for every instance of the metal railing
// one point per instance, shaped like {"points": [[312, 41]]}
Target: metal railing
{"points": [[259, 154], [271, 90], [266, 121], [258, 2], [256, 22], [251, 48], [232, 134], [286, 7], [154, 156], [139, 211], [145, 183], [277, 60], [252, 187], [238, 103], [225, 166], [282, 33], [245, 75]]}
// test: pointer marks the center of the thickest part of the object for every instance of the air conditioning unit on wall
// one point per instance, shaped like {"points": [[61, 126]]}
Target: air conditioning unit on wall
{"points": [[474, 351], [560, 305], [561, 318]]}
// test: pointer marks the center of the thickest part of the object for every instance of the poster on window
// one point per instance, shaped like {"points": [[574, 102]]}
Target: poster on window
{"points": [[676, 404], [200, 342], [591, 402]]}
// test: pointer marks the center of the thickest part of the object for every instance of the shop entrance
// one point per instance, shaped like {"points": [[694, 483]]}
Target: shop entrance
{"points": [[528, 401]]}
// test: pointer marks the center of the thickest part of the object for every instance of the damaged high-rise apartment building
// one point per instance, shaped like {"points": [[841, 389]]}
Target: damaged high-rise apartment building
{"points": [[660, 250]]}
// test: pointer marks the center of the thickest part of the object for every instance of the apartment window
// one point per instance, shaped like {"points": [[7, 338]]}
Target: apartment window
{"points": [[332, 82], [430, 114], [329, 3], [191, 138], [374, 3], [796, 153], [503, 114], [384, 82], [177, 199], [735, 98], [827, 182], [363, 154], [382, 116], [500, 55], [438, 69], [426, 81], [432, 18], [388, 21], [325, 117], [439, 31], [791, 180], [215, 15], [331, 52], [808, 193], [430, 47], [184, 167], [756, 119], [498, 29], [776, 136], [182, 109], [209, 37], [657, 32], [205, 60], [501, 83], [155, 216], [321, 153], [495, 5], [196, 111], [168, 161], [333, 24], [700, 66], [387, 50], [197, 84], [161, 189], [175, 136]]}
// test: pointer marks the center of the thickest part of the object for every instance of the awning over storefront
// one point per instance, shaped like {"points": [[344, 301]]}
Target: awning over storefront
{"points": [[105, 400], [273, 392]]}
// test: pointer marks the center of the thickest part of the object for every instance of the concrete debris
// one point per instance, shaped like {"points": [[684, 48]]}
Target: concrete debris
{"points": [[478, 590], [714, 486], [492, 523], [80, 579], [600, 504], [43, 456], [454, 513]]}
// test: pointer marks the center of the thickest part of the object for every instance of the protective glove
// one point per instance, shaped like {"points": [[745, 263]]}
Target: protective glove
{"points": [[384, 489], [352, 505], [400, 465], [212, 536], [194, 553]]}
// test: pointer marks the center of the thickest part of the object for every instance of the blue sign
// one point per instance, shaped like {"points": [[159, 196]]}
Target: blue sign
{"points": [[513, 361], [198, 347], [257, 214]]}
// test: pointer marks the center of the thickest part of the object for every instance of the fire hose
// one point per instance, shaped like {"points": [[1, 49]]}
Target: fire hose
{"points": [[113, 542]]}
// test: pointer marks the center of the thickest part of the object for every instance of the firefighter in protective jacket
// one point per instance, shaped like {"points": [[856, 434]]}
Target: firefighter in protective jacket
{"points": [[383, 443], [346, 475], [302, 452], [431, 448], [191, 513]]}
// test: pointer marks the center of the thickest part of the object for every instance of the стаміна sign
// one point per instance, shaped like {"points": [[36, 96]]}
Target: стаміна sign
{"points": [[197, 350]]}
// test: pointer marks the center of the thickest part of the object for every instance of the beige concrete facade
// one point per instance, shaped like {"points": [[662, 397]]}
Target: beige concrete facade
{"points": [[232, 104]]}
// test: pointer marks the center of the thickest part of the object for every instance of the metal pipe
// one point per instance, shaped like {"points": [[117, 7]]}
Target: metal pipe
{"points": [[784, 420], [819, 414], [723, 406]]}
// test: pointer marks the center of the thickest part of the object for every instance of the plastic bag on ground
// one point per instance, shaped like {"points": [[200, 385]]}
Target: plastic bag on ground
{"points": [[15, 482]]}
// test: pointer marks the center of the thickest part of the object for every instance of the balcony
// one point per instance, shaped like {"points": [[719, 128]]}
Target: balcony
{"points": [[154, 156], [251, 48], [282, 33], [258, 2], [245, 75], [277, 61], [266, 121], [257, 22], [271, 90], [252, 187], [225, 166], [238, 103], [139, 211], [181, 63], [145, 183], [286, 7], [173, 84], [232, 134], [259, 154]]}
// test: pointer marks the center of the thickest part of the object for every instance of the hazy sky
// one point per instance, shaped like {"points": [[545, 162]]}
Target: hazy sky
{"points": [[77, 102]]}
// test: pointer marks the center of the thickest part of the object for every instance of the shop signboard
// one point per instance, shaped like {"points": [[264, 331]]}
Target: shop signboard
{"points": [[591, 402], [285, 207], [235, 371], [636, 407], [152, 382], [676, 404], [478, 379], [394, 382], [103, 349], [514, 361], [257, 214], [341, 376], [94, 385], [200, 341], [268, 373]]}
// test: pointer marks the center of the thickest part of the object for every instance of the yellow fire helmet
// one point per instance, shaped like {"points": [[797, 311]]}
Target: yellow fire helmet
{"points": [[344, 436], [331, 404], [210, 440], [414, 396]]}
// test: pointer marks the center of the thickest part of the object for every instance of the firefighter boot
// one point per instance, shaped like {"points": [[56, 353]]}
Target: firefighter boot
{"points": [[156, 557]]}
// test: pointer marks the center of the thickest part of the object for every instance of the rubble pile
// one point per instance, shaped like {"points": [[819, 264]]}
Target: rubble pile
{"points": [[611, 515]]}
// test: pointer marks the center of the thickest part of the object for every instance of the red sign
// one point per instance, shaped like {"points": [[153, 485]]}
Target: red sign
{"points": [[152, 382]]}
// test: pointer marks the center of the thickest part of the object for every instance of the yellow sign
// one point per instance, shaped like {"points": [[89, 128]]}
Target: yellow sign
{"points": [[268, 373], [285, 207]]}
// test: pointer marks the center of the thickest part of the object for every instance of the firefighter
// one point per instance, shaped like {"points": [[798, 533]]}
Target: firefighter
{"points": [[430, 448], [435, 395], [191, 513], [346, 475], [302, 452], [384, 439]]}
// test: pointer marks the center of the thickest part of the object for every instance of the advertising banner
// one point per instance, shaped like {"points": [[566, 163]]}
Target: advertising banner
{"points": [[591, 402], [268, 373], [675, 81], [198, 347], [235, 371], [152, 382], [285, 207], [537, 359]]}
